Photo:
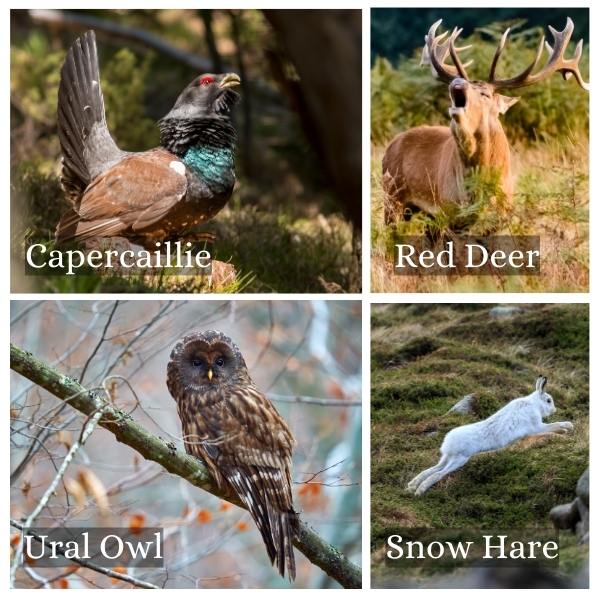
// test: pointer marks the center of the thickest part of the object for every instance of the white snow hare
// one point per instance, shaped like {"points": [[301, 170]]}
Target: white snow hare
{"points": [[520, 418]]}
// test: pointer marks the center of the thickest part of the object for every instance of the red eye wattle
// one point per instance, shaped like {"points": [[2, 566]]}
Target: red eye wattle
{"points": [[206, 80]]}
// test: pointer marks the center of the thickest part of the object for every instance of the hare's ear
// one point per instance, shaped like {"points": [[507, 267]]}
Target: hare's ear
{"points": [[540, 384]]}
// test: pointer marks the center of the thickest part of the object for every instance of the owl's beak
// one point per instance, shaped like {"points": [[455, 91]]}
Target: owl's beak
{"points": [[209, 374]]}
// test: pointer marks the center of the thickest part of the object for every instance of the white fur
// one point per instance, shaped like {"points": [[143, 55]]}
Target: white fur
{"points": [[520, 418]]}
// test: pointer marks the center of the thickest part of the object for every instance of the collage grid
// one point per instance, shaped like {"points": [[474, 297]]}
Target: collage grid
{"points": [[326, 382]]}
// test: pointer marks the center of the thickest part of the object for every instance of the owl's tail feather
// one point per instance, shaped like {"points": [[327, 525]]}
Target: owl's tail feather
{"points": [[289, 528], [283, 530], [277, 527]]}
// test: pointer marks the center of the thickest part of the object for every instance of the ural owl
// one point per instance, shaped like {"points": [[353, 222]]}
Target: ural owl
{"points": [[236, 431]]}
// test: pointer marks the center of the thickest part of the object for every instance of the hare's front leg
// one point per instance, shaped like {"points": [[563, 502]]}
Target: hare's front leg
{"points": [[558, 427]]}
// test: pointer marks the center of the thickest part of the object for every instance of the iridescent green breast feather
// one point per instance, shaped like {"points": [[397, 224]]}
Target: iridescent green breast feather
{"points": [[213, 164]]}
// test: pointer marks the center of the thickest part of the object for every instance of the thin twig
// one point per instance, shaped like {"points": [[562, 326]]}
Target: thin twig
{"points": [[85, 434], [102, 339]]}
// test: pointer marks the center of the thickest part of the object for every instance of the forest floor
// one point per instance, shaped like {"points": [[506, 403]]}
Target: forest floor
{"points": [[271, 251]]}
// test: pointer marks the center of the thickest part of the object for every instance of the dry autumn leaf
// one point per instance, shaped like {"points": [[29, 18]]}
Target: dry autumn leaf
{"points": [[121, 571], [75, 489], [64, 438], [26, 488], [136, 522], [311, 496], [204, 516], [94, 488]]}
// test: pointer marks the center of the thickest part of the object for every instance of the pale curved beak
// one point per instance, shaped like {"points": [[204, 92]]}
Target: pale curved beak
{"points": [[210, 374], [230, 80]]}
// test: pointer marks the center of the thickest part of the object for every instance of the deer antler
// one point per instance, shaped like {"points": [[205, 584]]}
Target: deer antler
{"points": [[436, 51], [556, 61]]}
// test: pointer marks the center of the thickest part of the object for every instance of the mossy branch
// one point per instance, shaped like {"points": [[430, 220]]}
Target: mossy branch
{"points": [[127, 431]]}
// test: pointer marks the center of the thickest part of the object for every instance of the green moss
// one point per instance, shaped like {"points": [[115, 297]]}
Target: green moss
{"points": [[461, 350], [393, 356]]}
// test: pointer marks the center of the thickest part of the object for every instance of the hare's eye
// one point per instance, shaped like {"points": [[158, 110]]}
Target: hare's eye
{"points": [[549, 401]]}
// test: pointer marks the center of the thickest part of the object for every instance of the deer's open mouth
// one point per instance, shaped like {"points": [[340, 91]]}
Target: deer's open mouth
{"points": [[458, 96]]}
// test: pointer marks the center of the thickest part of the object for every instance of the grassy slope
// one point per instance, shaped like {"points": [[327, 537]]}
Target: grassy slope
{"points": [[424, 359]]}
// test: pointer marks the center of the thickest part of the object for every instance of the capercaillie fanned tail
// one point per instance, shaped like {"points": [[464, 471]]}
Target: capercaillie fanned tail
{"points": [[85, 141]]}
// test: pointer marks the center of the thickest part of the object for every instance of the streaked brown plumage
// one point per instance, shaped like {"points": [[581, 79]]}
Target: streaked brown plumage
{"points": [[236, 431]]}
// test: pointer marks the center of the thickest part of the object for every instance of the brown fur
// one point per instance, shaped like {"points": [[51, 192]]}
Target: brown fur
{"points": [[425, 167]]}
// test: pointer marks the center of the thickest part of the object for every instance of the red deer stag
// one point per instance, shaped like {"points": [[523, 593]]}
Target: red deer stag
{"points": [[424, 167]]}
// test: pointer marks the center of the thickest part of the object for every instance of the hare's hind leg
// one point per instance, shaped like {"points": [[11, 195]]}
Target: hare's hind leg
{"points": [[454, 462], [413, 484]]}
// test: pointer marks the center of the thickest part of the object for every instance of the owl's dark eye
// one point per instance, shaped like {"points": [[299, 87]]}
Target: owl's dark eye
{"points": [[220, 361], [196, 362]]}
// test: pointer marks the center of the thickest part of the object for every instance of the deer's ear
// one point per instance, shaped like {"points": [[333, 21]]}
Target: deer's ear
{"points": [[505, 102]]}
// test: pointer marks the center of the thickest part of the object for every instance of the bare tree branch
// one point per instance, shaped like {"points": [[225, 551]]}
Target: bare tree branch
{"points": [[65, 19], [151, 447], [311, 400]]}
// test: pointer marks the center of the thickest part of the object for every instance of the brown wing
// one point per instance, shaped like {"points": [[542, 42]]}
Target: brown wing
{"points": [[136, 193], [246, 443]]}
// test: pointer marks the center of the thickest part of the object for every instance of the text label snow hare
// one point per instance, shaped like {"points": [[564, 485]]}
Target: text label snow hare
{"points": [[496, 547], [41, 260]]}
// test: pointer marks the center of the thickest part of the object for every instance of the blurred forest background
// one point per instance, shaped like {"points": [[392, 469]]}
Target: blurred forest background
{"points": [[548, 131], [306, 356], [293, 223], [427, 357]]}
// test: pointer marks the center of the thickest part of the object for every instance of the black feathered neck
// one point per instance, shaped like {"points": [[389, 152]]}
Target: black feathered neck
{"points": [[178, 135]]}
